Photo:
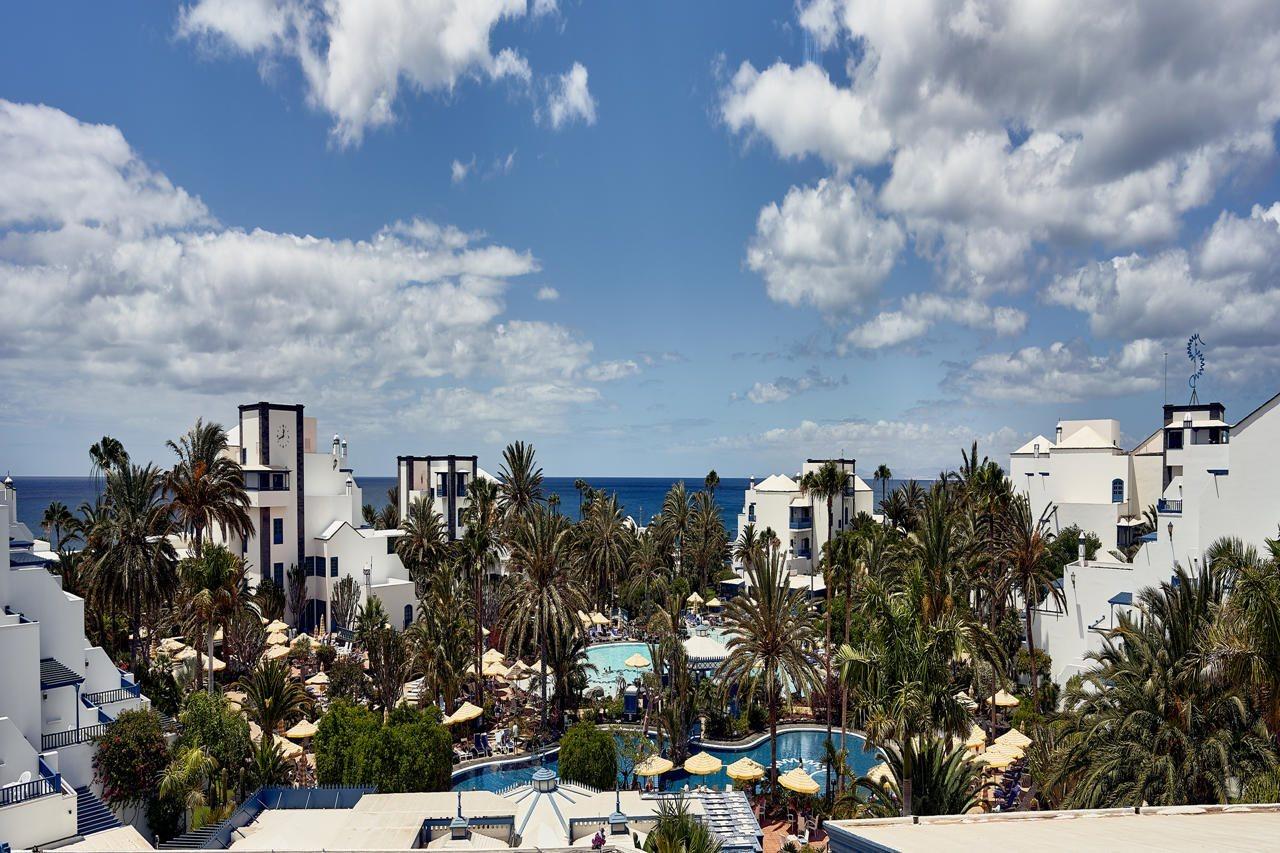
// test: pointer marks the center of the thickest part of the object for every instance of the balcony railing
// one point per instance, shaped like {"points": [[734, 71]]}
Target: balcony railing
{"points": [[121, 694], [48, 783], [804, 553], [850, 491], [1169, 507], [801, 522], [71, 737]]}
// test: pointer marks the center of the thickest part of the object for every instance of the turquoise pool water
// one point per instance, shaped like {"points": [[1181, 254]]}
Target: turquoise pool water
{"points": [[803, 747], [608, 659]]}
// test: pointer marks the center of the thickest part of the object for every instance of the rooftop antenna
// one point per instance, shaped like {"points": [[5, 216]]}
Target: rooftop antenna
{"points": [[1166, 378], [1195, 352]]}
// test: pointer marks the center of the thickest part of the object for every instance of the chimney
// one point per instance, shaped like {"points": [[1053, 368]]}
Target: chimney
{"points": [[337, 446], [350, 484], [1058, 435], [344, 450], [1080, 550]]}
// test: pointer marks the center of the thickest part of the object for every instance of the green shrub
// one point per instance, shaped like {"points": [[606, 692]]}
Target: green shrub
{"points": [[589, 755], [412, 752], [208, 722], [130, 756]]}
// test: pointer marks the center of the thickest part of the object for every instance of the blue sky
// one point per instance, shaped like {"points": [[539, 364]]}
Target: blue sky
{"points": [[770, 231]]}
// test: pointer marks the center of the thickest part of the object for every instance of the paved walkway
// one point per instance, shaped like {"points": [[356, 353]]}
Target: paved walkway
{"points": [[775, 835]]}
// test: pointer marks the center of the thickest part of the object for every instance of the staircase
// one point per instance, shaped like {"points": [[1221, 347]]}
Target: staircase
{"points": [[193, 840], [92, 815]]}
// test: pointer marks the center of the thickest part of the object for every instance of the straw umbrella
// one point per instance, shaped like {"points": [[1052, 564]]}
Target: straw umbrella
{"points": [[464, 714], [636, 661], [320, 679], [277, 638], [745, 769], [1014, 738], [694, 599], [703, 764], [276, 625], [977, 739], [799, 781], [881, 773], [654, 765], [1004, 699], [492, 656]]}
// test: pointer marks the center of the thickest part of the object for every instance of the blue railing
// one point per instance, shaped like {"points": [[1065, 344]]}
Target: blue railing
{"points": [[1169, 507], [48, 783], [804, 553], [71, 737], [121, 694], [801, 522]]}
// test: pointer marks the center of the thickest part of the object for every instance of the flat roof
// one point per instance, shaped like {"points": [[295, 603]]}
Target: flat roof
{"points": [[1195, 828]]}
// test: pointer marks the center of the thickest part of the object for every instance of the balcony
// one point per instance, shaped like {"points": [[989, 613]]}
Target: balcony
{"points": [[1164, 506], [801, 522], [17, 792], [71, 737], [266, 481], [850, 491], [804, 553]]}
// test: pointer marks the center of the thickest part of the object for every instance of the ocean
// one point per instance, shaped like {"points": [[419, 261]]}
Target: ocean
{"points": [[640, 497]]}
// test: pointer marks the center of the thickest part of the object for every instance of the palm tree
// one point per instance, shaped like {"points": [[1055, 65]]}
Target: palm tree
{"points": [[425, 543], [648, 574], [1244, 646], [480, 551], [1030, 571], [826, 483], [216, 587], [269, 766], [206, 487], [770, 628], [603, 545], [56, 520], [705, 546], [296, 589], [273, 699], [388, 666], [899, 673], [1151, 723], [883, 474], [748, 546], [543, 594], [520, 482], [675, 515], [132, 564], [345, 602], [440, 640], [944, 781], [105, 456], [711, 482], [678, 831], [187, 779]]}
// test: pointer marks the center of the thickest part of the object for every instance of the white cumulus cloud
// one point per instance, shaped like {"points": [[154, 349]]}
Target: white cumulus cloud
{"points": [[824, 245], [570, 99]]}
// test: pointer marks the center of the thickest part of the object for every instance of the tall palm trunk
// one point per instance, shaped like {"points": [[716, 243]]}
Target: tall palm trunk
{"points": [[826, 689], [844, 688], [479, 641], [1031, 656], [209, 653], [773, 744], [542, 664], [908, 759]]}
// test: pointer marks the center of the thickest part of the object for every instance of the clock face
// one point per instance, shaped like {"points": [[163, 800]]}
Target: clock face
{"points": [[282, 436]]}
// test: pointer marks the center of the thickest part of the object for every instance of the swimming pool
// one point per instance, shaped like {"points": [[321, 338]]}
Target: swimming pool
{"points": [[796, 747], [608, 659]]}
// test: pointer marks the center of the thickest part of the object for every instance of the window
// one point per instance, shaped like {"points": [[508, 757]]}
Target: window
{"points": [[1174, 437], [333, 567], [408, 615], [462, 484], [1117, 491], [277, 574], [277, 531], [442, 484], [391, 544], [277, 483], [751, 512]]}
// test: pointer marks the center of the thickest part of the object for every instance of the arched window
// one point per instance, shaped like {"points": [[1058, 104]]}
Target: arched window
{"points": [[408, 615], [1117, 491]]}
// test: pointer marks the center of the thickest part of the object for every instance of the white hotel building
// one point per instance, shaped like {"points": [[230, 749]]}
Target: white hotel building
{"points": [[58, 691], [799, 518], [1083, 477], [1211, 479], [305, 505]]}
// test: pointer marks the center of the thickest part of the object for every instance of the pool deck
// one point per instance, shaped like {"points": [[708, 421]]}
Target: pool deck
{"points": [[749, 742]]}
